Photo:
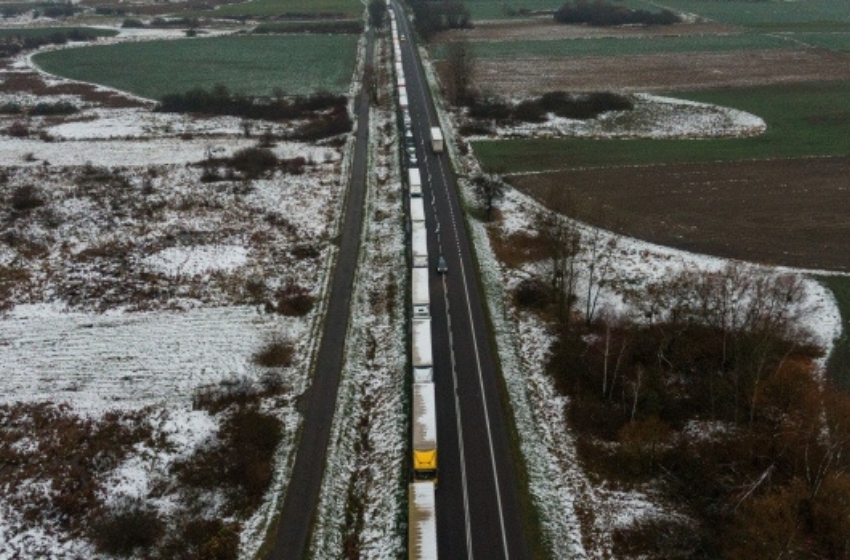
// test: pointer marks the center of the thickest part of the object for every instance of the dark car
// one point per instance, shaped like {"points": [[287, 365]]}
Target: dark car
{"points": [[442, 267]]}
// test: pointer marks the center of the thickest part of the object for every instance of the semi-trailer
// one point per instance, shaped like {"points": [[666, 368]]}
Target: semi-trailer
{"points": [[414, 182], [417, 210], [424, 432], [421, 297], [437, 140], [419, 245], [421, 521]]}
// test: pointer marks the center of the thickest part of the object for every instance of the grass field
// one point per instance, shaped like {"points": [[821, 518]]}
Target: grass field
{"points": [[28, 32], [802, 119], [831, 41], [252, 65], [612, 46], [272, 8]]}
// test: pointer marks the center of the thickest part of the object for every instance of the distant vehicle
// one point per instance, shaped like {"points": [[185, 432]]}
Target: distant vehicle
{"points": [[405, 117], [436, 139], [412, 160], [414, 182], [442, 267], [403, 38]]}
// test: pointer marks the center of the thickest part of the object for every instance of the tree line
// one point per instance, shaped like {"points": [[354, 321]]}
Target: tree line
{"points": [[603, 14]]}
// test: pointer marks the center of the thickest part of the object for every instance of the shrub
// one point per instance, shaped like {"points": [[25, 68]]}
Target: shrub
{"points": [[277, 353], [294, 301], [254, 163], [600, 13], [131, 23], [26, 198], [18, 129], [10, 108], [204, 539], [533, 293], [127, 528], [58, 108]]}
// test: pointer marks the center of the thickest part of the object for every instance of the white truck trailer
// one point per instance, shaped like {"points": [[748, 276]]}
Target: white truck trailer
{"points": [[420, 294], [437, 140], [414, 182], [424, 432], [421, 521], [421, 350], [419, 245], [417, 210]]}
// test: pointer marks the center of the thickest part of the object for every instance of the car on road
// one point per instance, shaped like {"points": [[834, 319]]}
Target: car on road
{"points": [[412, 160], [442, 267]]}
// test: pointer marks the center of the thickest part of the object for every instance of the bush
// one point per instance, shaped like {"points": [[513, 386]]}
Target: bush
{"points": [[294, 301], [26, 198], [277, 353], [254, 163], [18, 129], [204, 539], [131, 23], [533, 294], [10, 108], [127, 528], [58, 108]]}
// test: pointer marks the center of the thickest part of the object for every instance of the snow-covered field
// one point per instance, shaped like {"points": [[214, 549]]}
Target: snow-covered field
{"points": [[363, 488], [652, 117], [130, 286], [578, 515]]}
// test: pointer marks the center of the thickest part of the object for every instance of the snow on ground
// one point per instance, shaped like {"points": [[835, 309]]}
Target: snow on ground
{"points": [[121, 217], [652, 117], [577, 515], [369, 437], [130, 360]]}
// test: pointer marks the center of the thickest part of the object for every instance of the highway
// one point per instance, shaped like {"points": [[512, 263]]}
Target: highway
{"points": [[478, 507]]}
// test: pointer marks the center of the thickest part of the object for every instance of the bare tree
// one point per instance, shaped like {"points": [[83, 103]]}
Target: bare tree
{"points": [[488, 189], [460, 68], [562, 245]]}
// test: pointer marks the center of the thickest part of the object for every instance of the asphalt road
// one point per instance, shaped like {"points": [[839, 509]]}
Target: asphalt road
{"points": [[478, 508], [319, 402]]}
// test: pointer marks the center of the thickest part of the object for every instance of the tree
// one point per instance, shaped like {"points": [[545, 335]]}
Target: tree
{"points": [[460, 68], [488, 189], [377, 13], [562, 246]]}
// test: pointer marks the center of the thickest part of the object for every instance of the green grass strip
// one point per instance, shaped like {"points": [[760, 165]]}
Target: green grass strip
{"points": [[803, 120], [252, 65]]}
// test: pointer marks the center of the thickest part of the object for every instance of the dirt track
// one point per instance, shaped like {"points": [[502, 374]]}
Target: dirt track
{"points": [[662, 72], [793, 212]]}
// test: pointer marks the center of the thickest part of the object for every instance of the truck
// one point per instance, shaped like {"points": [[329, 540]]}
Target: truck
{"points": [[420, 294], [436, 139], [424, 432], [419, 245], [417, 210], [414, 182], [421, 521], [402, 101], [422, 356]]}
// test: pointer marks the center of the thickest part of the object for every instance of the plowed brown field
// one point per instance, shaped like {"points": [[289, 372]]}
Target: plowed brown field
{"points": [[793, 212], [659, 72]]}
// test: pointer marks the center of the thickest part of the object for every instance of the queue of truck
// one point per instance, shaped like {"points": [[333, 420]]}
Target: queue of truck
{"points": [[422, 515]]}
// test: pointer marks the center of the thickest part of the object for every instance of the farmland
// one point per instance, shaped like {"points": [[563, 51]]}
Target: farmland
{"points": [[255, 65]]}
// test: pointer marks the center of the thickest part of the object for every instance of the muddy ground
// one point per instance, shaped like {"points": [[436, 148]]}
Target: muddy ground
{"points": [[548, 29], [793, 212], [657, 73]]}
